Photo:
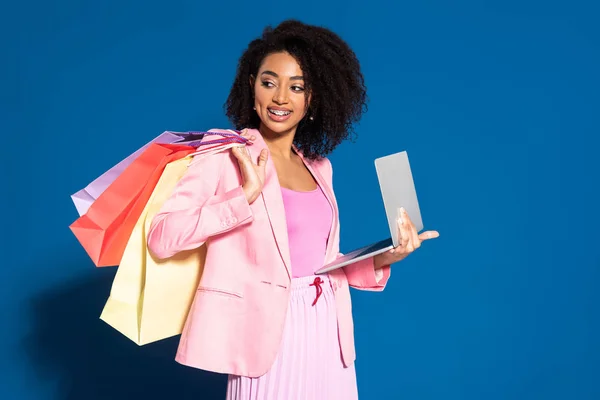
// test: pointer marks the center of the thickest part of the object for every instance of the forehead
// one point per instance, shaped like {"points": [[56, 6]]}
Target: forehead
{"points": [[283, 64]]}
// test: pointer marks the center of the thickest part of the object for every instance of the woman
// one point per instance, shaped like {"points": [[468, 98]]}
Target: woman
{"points": [[268, 216]]}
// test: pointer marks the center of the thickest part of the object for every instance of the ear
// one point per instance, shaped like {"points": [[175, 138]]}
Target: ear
{"points": [[309, 103], [252, 81]]}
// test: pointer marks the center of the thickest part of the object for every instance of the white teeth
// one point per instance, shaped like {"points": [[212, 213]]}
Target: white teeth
{"points": [[278, 112]]}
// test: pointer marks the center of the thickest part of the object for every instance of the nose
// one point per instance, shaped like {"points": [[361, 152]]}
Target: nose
{"points": [[280, 96]]}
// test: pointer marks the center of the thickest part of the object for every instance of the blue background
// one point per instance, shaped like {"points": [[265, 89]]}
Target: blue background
{"points": [[496, 103]]}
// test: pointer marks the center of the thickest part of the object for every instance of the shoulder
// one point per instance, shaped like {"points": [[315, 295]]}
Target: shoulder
{"points": [[323, 165], [210, 154], [322, 162]]}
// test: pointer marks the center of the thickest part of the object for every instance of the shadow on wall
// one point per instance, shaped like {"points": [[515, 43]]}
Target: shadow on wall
{"points": [[88, 359]]}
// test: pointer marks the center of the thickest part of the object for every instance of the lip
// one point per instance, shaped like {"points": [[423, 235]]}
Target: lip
{"points": [[278, 108], [278, 118]]}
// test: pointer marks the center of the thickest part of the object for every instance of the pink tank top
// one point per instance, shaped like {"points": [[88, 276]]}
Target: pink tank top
{"points": [[308, 216]]}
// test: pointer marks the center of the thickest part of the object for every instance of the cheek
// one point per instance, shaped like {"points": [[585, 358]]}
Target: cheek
{"points": [[300, 104], [261, 96]]}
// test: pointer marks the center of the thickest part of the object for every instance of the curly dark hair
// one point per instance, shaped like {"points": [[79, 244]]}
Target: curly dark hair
{"points": [[332, 76]]}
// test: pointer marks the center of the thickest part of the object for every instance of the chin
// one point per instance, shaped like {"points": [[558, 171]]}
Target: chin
{"points": [[280, 127]]}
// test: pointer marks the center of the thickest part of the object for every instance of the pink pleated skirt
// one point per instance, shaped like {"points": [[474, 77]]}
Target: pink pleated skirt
{"points": [[309, 364]]}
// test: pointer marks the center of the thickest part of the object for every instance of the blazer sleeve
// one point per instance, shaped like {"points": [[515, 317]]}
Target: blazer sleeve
{"points": [[194, 212], [362, 274]]}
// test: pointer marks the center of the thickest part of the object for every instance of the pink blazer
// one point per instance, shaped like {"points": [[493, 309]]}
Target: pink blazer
{"points": [[236, 320]]}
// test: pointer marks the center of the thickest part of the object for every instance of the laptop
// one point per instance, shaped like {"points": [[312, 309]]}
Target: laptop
{"points": [[397, 190]]}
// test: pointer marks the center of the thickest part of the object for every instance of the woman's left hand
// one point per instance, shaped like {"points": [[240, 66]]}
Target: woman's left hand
{"points": [[409, 241]]}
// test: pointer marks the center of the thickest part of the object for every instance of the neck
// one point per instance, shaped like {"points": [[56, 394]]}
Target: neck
{"points": [[279, 144]]}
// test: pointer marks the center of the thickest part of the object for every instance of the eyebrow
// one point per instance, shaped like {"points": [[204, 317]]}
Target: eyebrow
{"points": [[277, 76]]}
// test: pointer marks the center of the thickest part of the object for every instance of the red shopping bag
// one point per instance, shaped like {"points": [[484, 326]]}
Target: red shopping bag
{"points": [[105, 228]]}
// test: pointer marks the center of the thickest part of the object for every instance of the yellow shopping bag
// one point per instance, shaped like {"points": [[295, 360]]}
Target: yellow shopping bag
{"points": [[150, 299]]}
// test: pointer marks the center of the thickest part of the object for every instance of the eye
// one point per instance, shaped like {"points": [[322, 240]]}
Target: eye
{"points": [[297, 88], [267, 84]]}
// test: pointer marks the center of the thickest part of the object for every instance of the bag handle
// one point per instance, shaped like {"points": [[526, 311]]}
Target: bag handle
{"points": [[233, 137]]}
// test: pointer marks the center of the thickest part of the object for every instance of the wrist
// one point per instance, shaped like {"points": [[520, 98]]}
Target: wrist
{"points": [[377, 262], [251, 193], [380, 261]]}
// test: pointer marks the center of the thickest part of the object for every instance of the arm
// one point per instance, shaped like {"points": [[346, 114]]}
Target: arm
{"points": [[194, 212], [363, 275]]}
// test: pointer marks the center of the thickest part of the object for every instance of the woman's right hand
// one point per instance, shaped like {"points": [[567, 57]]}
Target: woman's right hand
{"points": [[253, 174]]}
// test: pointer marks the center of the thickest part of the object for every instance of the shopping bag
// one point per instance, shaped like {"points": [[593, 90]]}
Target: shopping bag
{"points": [[150, 298], [104, 229], [84, 198]]}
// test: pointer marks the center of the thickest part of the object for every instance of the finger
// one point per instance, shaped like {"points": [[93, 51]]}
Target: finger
{"points": [[248, 136], [241, 154], [236, 152], [403, 233], [414, 235], [402, 238], [262, 159], [429, 235], [410, 246]]}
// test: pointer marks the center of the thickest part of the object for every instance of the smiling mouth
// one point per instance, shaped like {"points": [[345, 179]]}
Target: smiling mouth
{"points": [[279, 113]]}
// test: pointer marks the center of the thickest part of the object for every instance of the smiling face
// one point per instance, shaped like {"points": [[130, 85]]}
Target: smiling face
{"points": [[279, 94]]}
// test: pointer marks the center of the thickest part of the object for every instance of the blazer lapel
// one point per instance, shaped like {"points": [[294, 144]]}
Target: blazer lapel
{"points": [[273, 199], [328, 190]]}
